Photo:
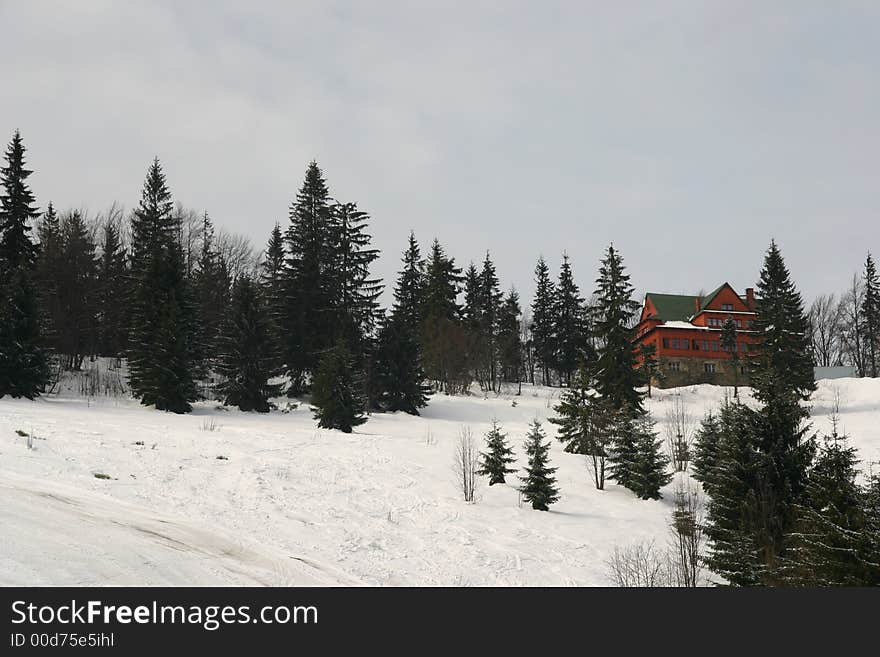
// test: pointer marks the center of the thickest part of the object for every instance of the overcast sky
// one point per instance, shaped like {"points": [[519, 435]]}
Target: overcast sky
{"points": [[688, 133]]}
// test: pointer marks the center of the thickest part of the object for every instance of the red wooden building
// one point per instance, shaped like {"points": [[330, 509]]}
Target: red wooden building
{"points": [[686, 331]]}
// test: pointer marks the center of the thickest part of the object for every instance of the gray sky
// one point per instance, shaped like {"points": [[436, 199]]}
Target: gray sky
{"points": [[688, 132]]}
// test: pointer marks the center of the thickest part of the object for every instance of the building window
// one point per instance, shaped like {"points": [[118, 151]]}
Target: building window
{"points": [[726, 306], [674, 366], [739, 324], [709, 368], [715, 346], [743, 369], [666, 343]]}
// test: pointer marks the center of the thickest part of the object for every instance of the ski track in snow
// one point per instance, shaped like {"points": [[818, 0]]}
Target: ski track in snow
{"points": [[295, 505]]}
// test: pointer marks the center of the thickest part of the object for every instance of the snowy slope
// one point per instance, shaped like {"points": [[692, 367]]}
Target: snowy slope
{"points": [[294, 505]]}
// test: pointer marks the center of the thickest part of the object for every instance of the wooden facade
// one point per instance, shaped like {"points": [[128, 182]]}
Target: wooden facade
{"points": [[686, 333]]}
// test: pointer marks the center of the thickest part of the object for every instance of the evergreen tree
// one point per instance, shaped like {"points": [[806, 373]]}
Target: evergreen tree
{"points": [[706, 447], [728, 344], [648, 365], [497, 457], [539, 484], [490, 298], [617, 376], [782, 377], [444, 339], [587, 424], [824, 547], [246, 360], [570, 329], [510, 347], [650, 472], [161, 346], [47, 276], [307, 317], [544, 320], [76, 288], [399, 373], [735, 528], [112, 293], [211, 284], [272, 283], [352, 293], [870, 316], [400, 377], [337, 391], [870, 544], [23, 363]]}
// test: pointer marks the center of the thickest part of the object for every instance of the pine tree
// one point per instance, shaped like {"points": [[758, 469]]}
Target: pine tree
{"points": [[162, 316], [570, 328], [728, 344], [497, 457], [23, 363], [307, 316], [706, 447], [782, 377], [490, 298], [409, 292], [246, 360], [112, 275], [544, 320], [617, 376], [823, 549], [870, 543], [870, 316], [337, 391], [539, 484], [586, 423], [650, 472]]}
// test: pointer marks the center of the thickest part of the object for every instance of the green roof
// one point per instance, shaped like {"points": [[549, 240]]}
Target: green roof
{"points": [[680, 307]]}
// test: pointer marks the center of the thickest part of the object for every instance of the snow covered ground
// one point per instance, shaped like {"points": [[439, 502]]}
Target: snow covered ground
{"points": [[289, 504]]}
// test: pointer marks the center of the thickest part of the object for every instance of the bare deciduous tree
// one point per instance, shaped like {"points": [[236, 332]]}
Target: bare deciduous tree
{"points": [[466, 463], [686, 528], [679, 429], [237, 252], [852, 338], [825, 330], [641, 565]]}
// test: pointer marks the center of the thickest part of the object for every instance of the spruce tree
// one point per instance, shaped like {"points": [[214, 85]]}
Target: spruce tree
{"points": [[211, 285], [76, 324], [162, 316], [399, 373], [23, 362], [272, 283], [823, 548], [539, 484], [47, 277], [782, 378], [490, 298], [112, 293], [870, 316], [587, 424], [650, 472], [735, 528], [728, 344], [443, 338], [307, 314], [510, 348], [570, 329], [246, 359], [497, 457], [706, 447], [337, 391], [649, 367], [617, 377], [544, 320]]}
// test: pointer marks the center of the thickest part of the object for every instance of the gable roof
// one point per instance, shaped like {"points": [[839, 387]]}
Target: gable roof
{"points": [[673, 307], [681, 307]]}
